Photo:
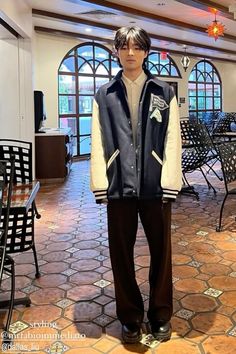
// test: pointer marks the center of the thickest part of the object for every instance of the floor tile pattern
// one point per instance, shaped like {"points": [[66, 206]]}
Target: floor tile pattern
{"points": [[73, 307]]}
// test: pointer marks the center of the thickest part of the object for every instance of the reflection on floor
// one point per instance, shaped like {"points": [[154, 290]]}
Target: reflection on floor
{"points": [[73, 308]]}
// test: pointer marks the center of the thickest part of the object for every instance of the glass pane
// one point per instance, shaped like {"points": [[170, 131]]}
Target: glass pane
{"points": [[85, 104], [154, 70], [216, 78], [84, 125], [67, 105], [114, 67], [85, 51], [164, 71], [216, 103], [101, 54], [68, 65], [174, 71], [200, 77], [201, 90], [192, 103], [208, 78], [209, 103], [85, 145], [69, 123], [66, 84], [86, 85], [154, 58], [100, 81], [75, 147], [200, 66], [101, 69], [208, 67], [85, 69], [192, 89], [209, 91], [201, 103], [217, 90], [192, 76]]}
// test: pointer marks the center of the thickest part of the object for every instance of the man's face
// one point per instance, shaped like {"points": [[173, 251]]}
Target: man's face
{"points": [[131, 56]]}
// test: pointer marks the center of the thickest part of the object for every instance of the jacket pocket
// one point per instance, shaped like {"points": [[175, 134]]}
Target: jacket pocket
{"points": [[154, 154], [112, 158]]}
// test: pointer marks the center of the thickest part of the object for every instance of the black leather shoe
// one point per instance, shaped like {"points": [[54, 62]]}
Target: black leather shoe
{"points": [[131, 333], [161, 330]]}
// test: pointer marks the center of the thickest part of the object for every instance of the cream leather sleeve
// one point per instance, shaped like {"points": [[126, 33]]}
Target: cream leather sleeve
{"points": [[171, 178], [98, 177]]}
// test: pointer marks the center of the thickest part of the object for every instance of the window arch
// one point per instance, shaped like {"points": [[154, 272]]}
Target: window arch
{"points": [[162, 67], [82, 71], [204, 89]]}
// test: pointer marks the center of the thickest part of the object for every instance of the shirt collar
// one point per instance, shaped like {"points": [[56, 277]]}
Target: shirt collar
{"points": [[139, 81]]}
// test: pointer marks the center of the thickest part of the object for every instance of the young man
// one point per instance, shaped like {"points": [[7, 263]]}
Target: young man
{"points": [[136, 168]]}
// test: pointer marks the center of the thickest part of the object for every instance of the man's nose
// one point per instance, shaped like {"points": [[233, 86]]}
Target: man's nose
{"points": [[131, 51]]}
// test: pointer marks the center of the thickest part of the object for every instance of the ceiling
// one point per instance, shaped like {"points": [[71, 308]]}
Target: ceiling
{"points": [[171, 24]]}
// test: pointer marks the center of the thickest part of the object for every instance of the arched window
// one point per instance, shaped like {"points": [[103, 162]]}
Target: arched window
{"points": [[162, 67], [82, 71], [204, 89]]}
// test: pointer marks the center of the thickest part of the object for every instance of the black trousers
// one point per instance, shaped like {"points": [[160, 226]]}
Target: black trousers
{"points": [[122, 229]]}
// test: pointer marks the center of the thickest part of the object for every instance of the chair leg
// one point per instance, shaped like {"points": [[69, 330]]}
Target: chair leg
{"points": [[219, 228], [188, 189], [37, 274], [212, 169], [208, 183], [11, 299], [38, 216]]}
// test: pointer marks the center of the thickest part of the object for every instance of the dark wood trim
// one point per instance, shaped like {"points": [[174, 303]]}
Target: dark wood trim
{"points": [[65, 18], [110, 42], [151, 17], [206, 5], [9, 28]]}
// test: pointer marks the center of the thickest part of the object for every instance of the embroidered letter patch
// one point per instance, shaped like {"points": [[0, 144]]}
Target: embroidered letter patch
{"points": [[157, 104]]}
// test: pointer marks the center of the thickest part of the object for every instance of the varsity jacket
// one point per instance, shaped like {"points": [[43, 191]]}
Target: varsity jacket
{"points": [[150, 169]]}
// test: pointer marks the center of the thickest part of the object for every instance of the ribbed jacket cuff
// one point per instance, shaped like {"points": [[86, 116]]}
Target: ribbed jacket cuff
{"points": [[167, 193], [99, 195]]}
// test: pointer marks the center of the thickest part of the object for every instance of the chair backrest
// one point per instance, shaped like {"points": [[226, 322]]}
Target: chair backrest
{"points": [[210, 120], [227, 154], [201, 148], [5, 204], [22, 150], [224, 123]]}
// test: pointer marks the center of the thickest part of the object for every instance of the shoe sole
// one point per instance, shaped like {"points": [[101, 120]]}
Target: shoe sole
{"points": [[162, 338], [131, 340]]}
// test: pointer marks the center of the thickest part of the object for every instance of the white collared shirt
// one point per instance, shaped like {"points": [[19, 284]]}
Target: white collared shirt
{"points": [[134, 90]]}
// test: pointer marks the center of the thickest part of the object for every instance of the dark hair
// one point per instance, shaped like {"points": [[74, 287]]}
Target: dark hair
{"points": [[137, 34]]}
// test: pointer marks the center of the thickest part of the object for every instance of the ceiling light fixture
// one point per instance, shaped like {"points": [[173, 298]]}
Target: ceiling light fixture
{"points": [[185, 61], [216, 28]]}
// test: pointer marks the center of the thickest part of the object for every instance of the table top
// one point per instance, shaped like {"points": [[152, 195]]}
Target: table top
{"points": [[23, 194]]}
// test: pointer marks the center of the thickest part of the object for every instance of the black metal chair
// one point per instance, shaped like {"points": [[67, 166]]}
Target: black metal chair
{"points": [[198, 151], [210, 120], [223, 126], [6, 262], [21, 227], [227, 154]]}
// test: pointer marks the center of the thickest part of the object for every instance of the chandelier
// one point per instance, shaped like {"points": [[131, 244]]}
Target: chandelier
{"points": [[216, 28]]}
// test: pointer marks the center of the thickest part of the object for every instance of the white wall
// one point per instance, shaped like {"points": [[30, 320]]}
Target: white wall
{"points": [[9, 89], [16, 91], [18, 15], [50, 50], [48, 54]]}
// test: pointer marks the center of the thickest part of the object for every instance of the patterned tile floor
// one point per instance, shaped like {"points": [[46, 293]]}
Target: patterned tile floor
{"points": [[73, 308]]}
